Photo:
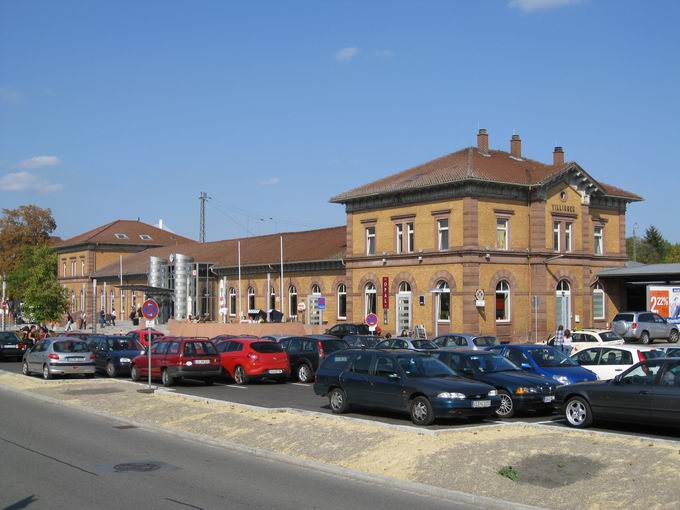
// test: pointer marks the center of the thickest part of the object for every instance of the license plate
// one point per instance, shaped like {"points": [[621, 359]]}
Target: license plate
{"points": [[76, 359], [277, 371], [10, 346], [481, 403], [202, 361], [548, 399]]}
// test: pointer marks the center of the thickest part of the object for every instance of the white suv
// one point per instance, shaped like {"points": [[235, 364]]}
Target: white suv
{"points": [[608, 362], [584, 338]]}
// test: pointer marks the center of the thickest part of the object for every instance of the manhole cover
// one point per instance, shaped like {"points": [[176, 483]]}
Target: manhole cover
{"points": [[139, 467], [93, 391]]}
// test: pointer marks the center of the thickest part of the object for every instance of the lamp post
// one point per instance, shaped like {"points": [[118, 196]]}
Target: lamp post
{"points": [[635, 228]]}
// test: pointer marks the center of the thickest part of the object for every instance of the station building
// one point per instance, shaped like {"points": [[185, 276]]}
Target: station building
{"points": [[479, 241]]}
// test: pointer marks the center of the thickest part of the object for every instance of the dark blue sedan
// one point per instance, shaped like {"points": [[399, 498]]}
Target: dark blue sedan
{"points": [[402, 380], [114, 354]]}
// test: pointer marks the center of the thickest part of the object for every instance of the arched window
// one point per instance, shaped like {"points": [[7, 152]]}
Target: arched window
{"points": [[563, 286], [113, 301], [442, 296], [404, 287], [598, 302], [73, 301], [82, 300], [563, 304], [232, 301], [272, 298], [292, 301], [316, 289], [102, 300], [342, 301], [251, 300], [370, 299], [503, 301]]}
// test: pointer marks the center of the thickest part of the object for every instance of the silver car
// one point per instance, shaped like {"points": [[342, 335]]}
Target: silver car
{"points": [[59, 356], [644, 326], [412, 344], [466, 341]]}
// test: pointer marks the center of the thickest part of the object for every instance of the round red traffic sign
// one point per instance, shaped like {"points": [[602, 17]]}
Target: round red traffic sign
{"points": [[371, 319], [150, 309]]}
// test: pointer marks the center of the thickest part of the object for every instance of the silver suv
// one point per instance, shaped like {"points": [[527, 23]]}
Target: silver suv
{"points": [[644, 326]]}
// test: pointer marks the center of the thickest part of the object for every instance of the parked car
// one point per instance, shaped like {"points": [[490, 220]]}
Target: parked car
{"points": [[59, 355], [77, 334], [608, 362], [546, 361], [672, 352], [343, 329], [465, 340], [249, 359], [517, 389], [644, 326], [220, 338], [306, 352], [411, 344], [141, 335], [113, 355], [648, 392], [11, 346], [275, 338], [176, 358], [366, 341], [402, 380], [584, 338]]}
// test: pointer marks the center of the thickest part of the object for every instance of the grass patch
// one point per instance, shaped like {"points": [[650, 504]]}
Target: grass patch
{"points": [[509, 472]]}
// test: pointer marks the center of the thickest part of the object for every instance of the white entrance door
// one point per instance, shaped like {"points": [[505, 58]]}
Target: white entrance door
{"points": [[403, 312], [563, 304]]}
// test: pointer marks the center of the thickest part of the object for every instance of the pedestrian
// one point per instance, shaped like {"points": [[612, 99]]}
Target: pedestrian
{"points": [[83, 321], [566, 343], [102, 318], [559, 338], [113, 317], [69, 322], [32, 337]]}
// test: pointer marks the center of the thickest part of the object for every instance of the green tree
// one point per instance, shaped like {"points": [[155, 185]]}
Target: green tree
{"points": [[656, 242], [672, 254]]}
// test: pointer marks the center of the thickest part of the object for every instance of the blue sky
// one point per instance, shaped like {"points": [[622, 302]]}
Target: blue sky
{"points": [[129, 109]]}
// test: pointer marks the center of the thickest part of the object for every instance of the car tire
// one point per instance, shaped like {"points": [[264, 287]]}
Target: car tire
{"points": [[240, 376], [674, 336], [338, 401], [134, 373], [304, 373], [166, 378], [24, 369], [578, 413], [111, 369], [507, 407], [421, 411], [47, 373], [645, 339]]}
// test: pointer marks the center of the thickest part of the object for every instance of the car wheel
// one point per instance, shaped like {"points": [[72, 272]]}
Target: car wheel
{"points": [[421, 411], [134, 373], [644, 338], [507, 407], [674, 336], [304, 373], [47, 373], [338, 401], [577, 412], [111, 369], [240, 376], [24, 368], [166, 378]]}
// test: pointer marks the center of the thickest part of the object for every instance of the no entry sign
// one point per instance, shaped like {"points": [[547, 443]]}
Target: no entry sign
{"points": [[150, 309]]}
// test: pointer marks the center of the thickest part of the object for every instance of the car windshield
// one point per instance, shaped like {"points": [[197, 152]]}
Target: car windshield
{"points": [[124, 344], [199, 348], [673, 353], [423, 344], [485, 341], [424, 366], [266, 347], [489, 363], [608, 336], [67, 347], [655, 353], [551, 357]]}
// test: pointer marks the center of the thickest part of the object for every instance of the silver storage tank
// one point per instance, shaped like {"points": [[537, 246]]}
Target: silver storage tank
{"points": [[183, 266], [158, 272]]}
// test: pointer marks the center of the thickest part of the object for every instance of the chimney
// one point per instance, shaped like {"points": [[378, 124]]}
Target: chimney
{"points": [[558, 156], [516, 146], [483, 141]]}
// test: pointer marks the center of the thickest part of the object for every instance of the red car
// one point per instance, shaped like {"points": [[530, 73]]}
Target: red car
{"points": [[175, 358], [141, 335], [249, 359]]}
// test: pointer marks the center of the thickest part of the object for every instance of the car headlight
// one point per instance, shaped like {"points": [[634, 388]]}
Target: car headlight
{"points": [[125, 360], [526, 390], [492, 393], [454, 396], [561, 379]]}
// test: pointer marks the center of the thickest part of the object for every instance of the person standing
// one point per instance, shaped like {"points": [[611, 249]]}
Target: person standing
{"points": [[559, 338], [566, 343], [83, 320], [113, 317], [102, 318], [69, 322]]}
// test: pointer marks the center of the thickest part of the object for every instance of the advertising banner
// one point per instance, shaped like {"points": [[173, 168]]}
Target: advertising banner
{"points": [[386, 293], [664, 300]]}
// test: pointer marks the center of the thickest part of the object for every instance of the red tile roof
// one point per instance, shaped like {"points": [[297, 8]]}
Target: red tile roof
{"points": [[106, 234]]}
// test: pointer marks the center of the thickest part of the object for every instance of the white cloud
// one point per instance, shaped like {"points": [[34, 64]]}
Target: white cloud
{"points": [[384, 53], [23, 181], [269, 182], [10, 96], [40, 161], [346, 54], [540, 5]]}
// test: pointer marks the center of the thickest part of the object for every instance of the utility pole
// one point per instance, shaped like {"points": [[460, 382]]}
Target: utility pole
{"points": [[3, 303], [635, 227], [202, 198]]}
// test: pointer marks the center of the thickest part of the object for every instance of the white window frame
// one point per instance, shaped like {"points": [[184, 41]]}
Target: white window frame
{"points": [[342, 292], [82, 267], [598, 240], [270, 297], [121, 236], [442, 230], [369, 288], [292, 310], [598, 290], [145, 237], [410, 237], [505, 228], [400, 237], [503, 287], [73, 268], [557, 236], [316, 290], [232, 301], [568, 236], [442, 287], [370, 240], [251, 294]]}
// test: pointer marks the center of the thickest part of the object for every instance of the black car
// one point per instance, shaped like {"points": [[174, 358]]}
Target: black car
{"points": [[402, 380], [306, 352], [648, 392], [114, 354], [342, 330], [366, 341], [11, 346], [517, 389]]}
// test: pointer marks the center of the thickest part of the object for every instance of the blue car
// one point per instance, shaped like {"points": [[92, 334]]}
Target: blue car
{"points": [[546, 361], [113, 354]]}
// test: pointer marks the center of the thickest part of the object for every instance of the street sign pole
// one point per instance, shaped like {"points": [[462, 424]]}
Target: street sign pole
{"points": [[3, 303], [150, 312]]}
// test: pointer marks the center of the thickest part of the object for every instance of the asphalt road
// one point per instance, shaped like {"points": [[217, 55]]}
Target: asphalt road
{"points": [[65, 458]]}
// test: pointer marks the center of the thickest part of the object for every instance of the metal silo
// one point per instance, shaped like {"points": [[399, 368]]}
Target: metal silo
{"points": [[158, 272], [183, 266]]}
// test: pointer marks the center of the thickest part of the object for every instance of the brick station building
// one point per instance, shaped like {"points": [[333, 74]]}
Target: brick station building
{"points": [[479, 240]]}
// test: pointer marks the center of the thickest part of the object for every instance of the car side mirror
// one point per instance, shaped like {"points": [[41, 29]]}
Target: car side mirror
{"points": [[526, 366], [617, 379], [393, 376]]}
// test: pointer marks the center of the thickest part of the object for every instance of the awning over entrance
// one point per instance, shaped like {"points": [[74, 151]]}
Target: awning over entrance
{"points": [[147, 289], [644, 273]]}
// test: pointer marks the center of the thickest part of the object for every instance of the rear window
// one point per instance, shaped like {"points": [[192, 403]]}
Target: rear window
{"points": [[485, 341], [266, 347], [362, 329], [608, 336], [8, 338], [423, 344], [654, 354], [70, 347], [628, 317], [334, 345], [123, 344], [199, 348]]}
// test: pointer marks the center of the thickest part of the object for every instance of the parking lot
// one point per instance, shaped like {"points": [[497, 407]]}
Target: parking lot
{"points": [[301, 396]]}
